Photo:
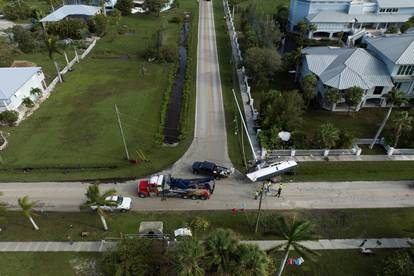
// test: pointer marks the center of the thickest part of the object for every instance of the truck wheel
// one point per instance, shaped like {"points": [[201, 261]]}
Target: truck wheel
{"points": [[124, 210], [203, 197], [142, 195], [185, 196], [193, 197]]}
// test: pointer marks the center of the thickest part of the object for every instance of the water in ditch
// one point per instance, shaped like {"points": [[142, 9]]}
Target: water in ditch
{"points": [[172, 122]]}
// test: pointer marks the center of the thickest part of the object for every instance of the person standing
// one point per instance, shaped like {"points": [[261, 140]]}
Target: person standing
{"points": [[279, 190]]}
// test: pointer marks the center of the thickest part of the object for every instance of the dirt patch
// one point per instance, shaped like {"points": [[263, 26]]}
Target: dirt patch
{"points": [[84, 267]]}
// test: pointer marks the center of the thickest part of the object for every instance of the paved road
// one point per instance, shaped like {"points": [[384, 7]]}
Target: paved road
{"points": [[232, 193], [210, 141], [100, 246]]}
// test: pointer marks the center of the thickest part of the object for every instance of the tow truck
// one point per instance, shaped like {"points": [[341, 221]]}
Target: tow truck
{"points": [[166, 186]]}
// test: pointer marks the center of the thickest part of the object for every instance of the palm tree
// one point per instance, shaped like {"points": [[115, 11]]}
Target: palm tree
{"points": [[28, 209], [251, 260], [311, 28], [333, 96], [395, 98], [296, 57], [293, 233], [402, 121], [52, 48], [327, 135], [353, 97], [220, 247], [95, 198], [309, 88], [189, 254]]}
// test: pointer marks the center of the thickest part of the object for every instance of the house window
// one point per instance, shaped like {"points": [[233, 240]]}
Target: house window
{"points": [[406, 70], [378, 90], [398, 85]]}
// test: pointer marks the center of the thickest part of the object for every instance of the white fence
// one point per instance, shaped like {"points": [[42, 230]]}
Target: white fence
{"points": [[49, 89], [273, 154]]}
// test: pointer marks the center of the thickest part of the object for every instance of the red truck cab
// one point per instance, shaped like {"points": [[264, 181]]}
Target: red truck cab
{"points": [[145, 189]]}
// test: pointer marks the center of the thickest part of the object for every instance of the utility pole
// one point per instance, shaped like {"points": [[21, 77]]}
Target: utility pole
{"points": [[260, 208], [122, 131], [245, 127], [242, 144]]}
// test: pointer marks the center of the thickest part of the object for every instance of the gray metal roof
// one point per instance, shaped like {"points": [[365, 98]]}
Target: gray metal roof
{"points": [[70, 10], [395, 3], [397, 48], [343, 68], [12, 78], [341, 17]]}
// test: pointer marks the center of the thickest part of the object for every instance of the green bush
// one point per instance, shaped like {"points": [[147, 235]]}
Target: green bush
{"points": [[98, 24], [7, 53], [124, 6], [14, 12], [175, 19], [72, 28], [28, 102], [24, 39], [9, 117]]}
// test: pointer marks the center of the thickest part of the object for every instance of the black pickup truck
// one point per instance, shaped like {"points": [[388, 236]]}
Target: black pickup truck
{"points": [[209, 168]]}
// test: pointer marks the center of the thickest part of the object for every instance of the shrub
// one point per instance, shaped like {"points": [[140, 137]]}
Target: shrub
{"points": [[98, 24], [124, 6], [116, 16], [14, 12], [346, 139], [167, 54], [9, 117], [327, 136], [24, 39], [7, 53], [299, 140], [72, 28], [28, 102], [175, 19]]}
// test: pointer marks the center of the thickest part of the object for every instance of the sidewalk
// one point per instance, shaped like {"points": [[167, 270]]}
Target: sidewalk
{"points": [[345, 158], [100, 246]]}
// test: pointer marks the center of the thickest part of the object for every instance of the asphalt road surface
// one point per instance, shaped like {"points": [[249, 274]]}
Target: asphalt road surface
{"points": [[210, 141], [231, 193]]}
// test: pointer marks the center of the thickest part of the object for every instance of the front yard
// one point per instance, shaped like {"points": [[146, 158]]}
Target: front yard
{"points": [[75, 135]]}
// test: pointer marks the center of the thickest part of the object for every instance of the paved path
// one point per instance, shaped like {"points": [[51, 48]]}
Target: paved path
{"points": [[210, 141], [230, 193], [100, 246], [349, 158]]}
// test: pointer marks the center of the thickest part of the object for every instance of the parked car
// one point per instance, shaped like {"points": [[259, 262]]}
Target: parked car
{"points": [[121, 203], [210, 168]]}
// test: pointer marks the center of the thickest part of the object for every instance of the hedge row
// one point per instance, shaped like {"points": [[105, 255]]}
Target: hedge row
{"points": [[185, 119], [166, 102]]}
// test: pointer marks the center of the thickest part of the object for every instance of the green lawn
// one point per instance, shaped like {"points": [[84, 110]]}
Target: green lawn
{"points": [[347, 223], [337, 263], [49, 263], [76, 127], [362, 124], [357, 170]]}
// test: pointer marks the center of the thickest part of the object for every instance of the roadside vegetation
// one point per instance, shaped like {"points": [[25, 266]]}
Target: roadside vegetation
{"points": [[221, 231], [329, 224], [74, 135]]}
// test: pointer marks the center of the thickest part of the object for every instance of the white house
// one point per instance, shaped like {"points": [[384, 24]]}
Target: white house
{"points": [[17, 83], [397, 52], [343, 68], [355, 17], [71, 11]]}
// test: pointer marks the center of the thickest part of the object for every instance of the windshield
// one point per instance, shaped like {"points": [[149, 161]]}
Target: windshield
{"points": [[119, 200]]}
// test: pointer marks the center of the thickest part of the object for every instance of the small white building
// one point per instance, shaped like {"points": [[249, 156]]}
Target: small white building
{"points": [[72, 11], [17, 84]]}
